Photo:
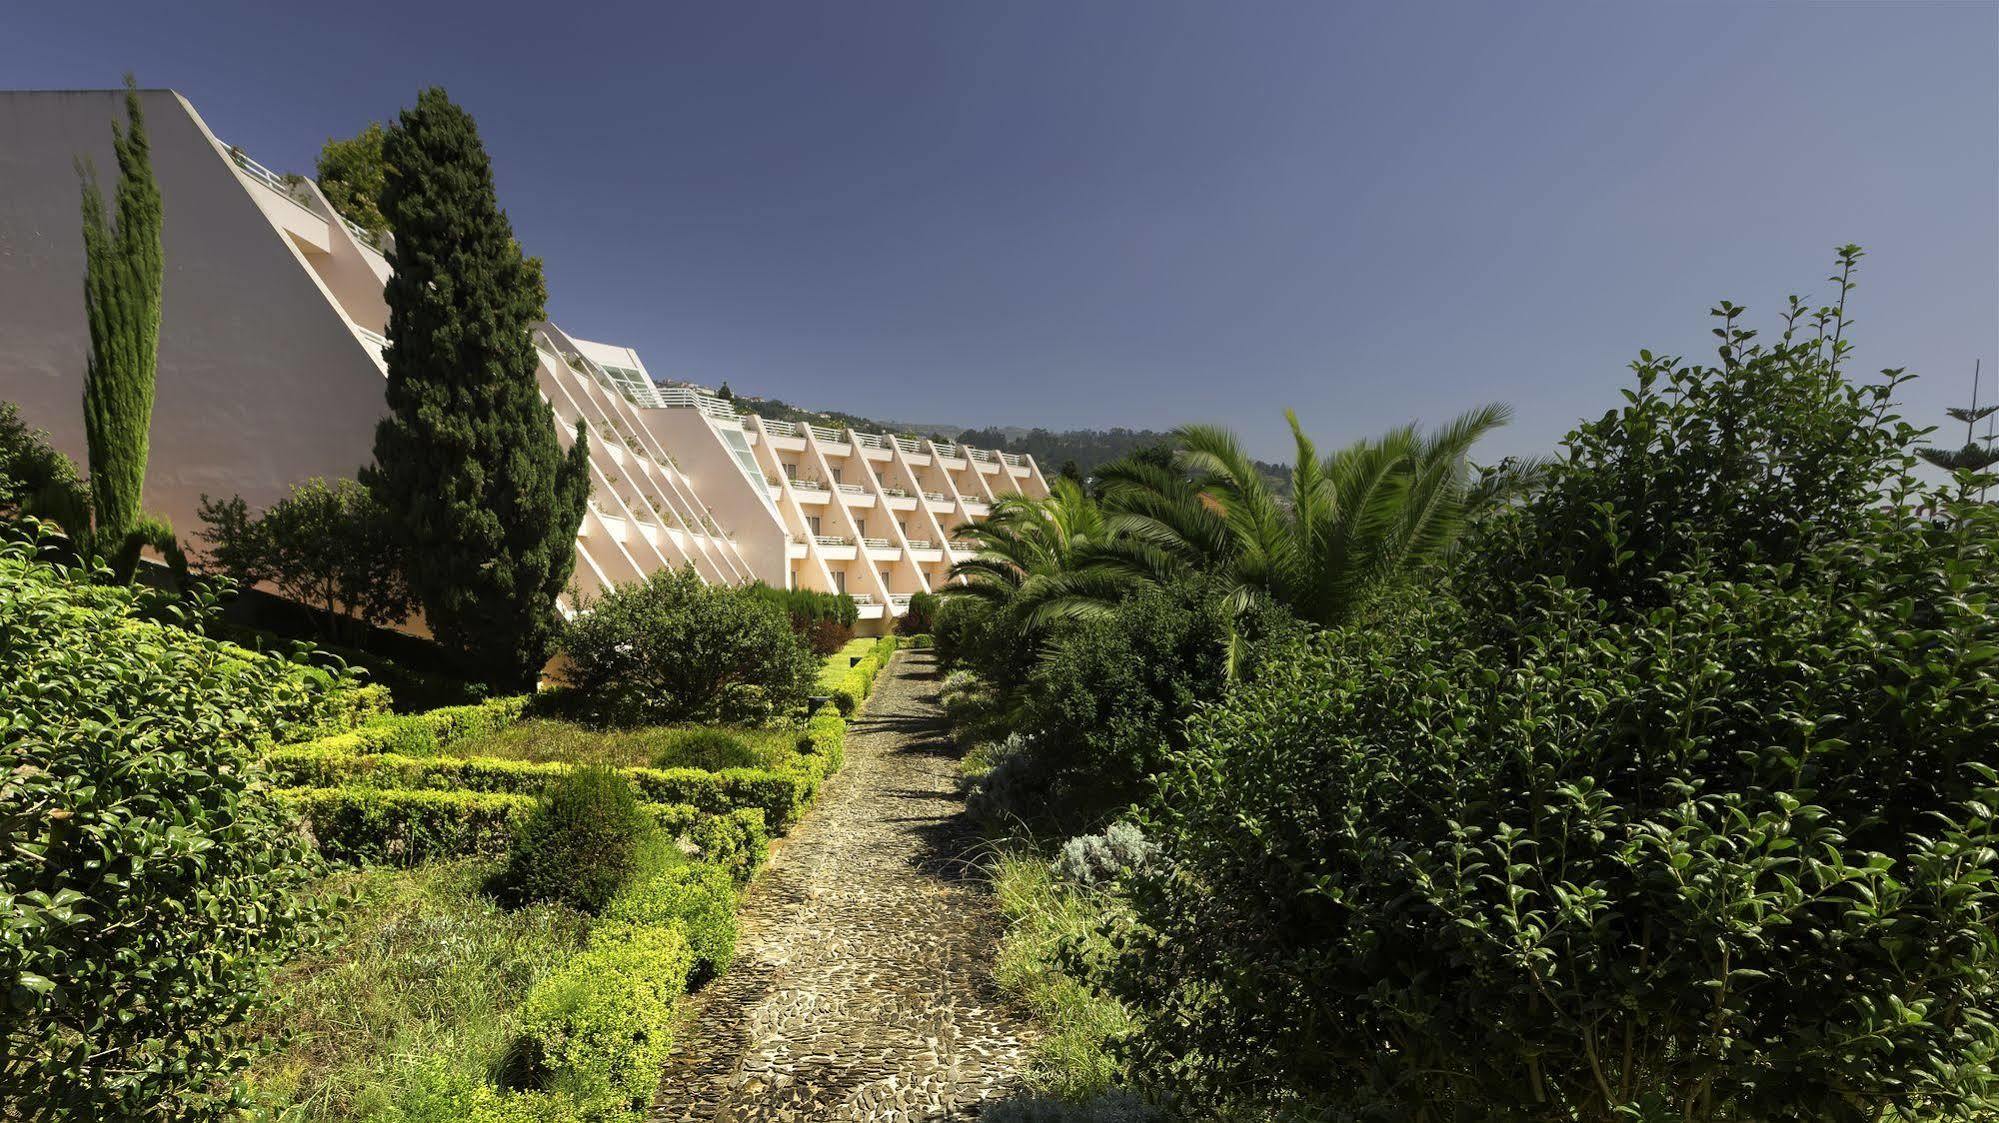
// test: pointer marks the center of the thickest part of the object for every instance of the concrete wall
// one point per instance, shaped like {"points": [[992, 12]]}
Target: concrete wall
{"points": [[261, 383]]}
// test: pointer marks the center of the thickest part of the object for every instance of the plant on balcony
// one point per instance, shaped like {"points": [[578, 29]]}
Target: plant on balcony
{"points": [[351, 176], [122, 282], [674, 648], [467, 462]]}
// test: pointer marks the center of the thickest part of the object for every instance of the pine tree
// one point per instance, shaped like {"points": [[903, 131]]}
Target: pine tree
{"points": [[1973, 457], [467, 463], [122, 277]]}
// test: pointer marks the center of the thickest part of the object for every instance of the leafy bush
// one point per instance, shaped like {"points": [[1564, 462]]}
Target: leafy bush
{"points": [[328, 545], [673, 648], [825, 737], [36, 479], [708, 749], [1110, 694], [698, 898], [146, 885], [580, 843], [1688, 813], [601, 1027]]}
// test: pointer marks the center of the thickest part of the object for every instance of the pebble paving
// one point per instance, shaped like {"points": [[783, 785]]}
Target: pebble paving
{"points": [[862, 985]]}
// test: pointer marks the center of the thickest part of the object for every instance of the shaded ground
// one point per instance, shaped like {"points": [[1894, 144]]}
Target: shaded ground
{"points": [[862, 986]]}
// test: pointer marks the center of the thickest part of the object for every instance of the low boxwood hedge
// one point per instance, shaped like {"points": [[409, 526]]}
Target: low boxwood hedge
{"points": [[425, 733], [736, 841], [848, 675], [600, 1027], [700, 897], [385, 826], [781, 796]]}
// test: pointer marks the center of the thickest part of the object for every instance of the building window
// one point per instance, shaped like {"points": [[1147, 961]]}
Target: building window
{"points": [[839, 580]]}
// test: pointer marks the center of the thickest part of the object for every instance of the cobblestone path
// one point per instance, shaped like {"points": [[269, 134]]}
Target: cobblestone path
{"points": [[861, 989]]}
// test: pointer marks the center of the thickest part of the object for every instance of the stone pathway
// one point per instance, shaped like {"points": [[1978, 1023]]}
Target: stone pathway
{"points": [[861, 988]]}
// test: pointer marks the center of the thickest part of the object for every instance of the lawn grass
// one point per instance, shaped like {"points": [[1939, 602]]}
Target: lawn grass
{"points": [[1074, 1061], [547, 739], [412, 1000]]}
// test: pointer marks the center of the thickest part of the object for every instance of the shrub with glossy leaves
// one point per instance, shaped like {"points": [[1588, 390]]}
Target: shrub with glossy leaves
{"points": [[580, 843], [1693, 820], [146, 885], [674, 649]]}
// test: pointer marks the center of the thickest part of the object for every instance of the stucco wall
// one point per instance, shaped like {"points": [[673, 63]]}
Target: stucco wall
{"points": [[261, 384]]}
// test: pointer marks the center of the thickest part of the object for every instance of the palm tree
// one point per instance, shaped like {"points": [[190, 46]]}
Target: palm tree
{"points": [[1032, 554], [1356, 521]]}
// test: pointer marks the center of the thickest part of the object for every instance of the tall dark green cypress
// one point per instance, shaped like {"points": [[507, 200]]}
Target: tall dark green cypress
{"points": [[468, 463], [122, 274]]}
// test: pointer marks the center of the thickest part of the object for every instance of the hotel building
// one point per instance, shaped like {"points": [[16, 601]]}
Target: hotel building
{"points": [[271, 371]]}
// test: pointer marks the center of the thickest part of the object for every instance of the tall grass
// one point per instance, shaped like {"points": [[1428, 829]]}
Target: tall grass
{"points": [[1044, 916], [411, 1002]]}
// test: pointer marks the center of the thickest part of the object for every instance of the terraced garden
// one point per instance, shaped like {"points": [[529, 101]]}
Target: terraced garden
{"points": [[435, 998]]}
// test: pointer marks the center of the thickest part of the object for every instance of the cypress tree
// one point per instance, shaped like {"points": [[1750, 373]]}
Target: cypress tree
{"points": [[467, 463], [122, 274]]}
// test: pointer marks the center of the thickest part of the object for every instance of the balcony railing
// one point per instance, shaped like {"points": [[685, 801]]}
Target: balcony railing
{"points": [[900, 600], [870, 440], [269, 179], [895, 491], [832, 540], [984, 454], [909, 444], [376, 338], [780, 428], [853, 489], [877, 543], [964, 545], [808, 485], [936, 497], [861, 598], [833, 436], [686, 397], [920, 544], [1014, 458], [946, 448]]}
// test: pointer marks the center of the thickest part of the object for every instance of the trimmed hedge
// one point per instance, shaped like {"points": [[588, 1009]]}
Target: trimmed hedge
{"points": [[601, 1026], [848, 676], [781, 796], [737, 841], [381, 826], [825, 740], [699, 897], [425, 733]]}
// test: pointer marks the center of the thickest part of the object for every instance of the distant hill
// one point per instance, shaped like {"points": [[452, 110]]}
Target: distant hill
{"points": [[1052, 449]]}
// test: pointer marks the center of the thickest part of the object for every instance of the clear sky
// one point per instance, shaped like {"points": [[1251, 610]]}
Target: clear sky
{"points": [[1144, 213]]}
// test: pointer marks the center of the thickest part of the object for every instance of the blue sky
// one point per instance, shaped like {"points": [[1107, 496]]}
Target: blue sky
{"points": [[1148, 213]]}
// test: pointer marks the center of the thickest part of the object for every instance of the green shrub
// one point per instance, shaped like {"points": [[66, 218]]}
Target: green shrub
{"points": [[920, 615], [601, 1027], [823, 620], [848, 676], [709, 749], [1686, 814], [673, 648], [580, 843], [698, 898], [736, 842], [825, 736], [146, 885], [364, 826]]}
